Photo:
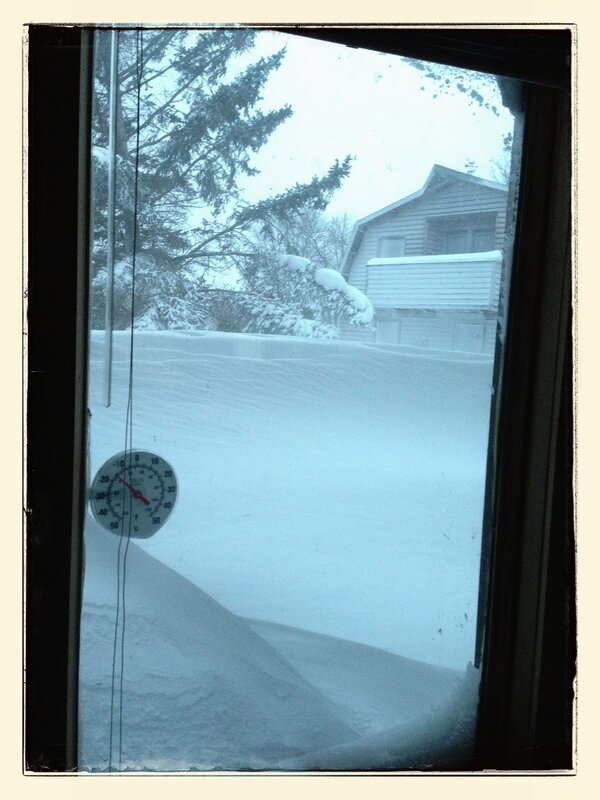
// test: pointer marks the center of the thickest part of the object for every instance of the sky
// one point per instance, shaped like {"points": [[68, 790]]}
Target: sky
{"points": [[375, 107]]}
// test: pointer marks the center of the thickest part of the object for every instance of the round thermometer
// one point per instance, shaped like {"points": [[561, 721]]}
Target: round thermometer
{"points": [[133, 493]]}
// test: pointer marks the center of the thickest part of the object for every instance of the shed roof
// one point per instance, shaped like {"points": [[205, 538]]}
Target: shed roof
{"points": [[438, 177]]}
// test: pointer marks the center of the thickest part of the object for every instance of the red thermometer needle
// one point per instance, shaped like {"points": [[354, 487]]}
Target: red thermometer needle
{"points": [[136, 493]]}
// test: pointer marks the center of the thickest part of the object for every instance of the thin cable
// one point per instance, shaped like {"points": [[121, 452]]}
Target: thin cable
{"points": [[114, 78], [126, 497], [115, 640], [129, 414]]}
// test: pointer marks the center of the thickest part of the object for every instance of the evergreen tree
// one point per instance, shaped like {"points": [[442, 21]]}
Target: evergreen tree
{"points": [[184, 150]]}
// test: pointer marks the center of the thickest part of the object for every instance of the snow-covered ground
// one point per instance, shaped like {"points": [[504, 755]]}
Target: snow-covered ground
{"points": [[311, 601]]}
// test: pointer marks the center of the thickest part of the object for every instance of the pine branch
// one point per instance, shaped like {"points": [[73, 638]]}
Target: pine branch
{"points": [[167, 103], [199, 248], [152, 49]]}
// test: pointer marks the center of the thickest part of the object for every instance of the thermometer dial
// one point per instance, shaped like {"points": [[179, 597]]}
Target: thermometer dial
{"points": [[133, 494]]}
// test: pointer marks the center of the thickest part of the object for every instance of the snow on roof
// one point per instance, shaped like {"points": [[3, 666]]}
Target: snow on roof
{"points": [[446, 258]]}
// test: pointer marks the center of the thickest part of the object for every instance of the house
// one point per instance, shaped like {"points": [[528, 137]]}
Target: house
{"points": [[431, 264]]}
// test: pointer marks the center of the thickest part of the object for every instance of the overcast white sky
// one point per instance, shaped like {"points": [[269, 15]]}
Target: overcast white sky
{"points": [[372, 106]]}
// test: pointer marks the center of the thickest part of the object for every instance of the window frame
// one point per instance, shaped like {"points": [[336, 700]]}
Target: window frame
{"points": [[471, 234], [528, 572], [439, 227]]}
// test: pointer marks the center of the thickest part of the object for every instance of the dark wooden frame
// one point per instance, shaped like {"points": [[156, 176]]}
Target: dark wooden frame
{"points": [[527, 624], [58, 135]]}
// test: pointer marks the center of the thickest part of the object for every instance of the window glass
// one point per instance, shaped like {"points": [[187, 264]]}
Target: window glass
{"points": [[391, 246], [457, 242], [288, 441], [483, 240]]}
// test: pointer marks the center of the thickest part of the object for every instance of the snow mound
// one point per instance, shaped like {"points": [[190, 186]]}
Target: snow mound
{"points": [[330, 279], [205, 690], [294, 263], [442, 737], [380, 689], [333, 486], [201, 690]]}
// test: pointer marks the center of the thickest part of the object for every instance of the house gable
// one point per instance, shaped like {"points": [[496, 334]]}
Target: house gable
{"points": [[451, 211]]}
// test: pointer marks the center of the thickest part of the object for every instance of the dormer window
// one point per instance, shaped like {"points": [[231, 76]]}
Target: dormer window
{"points": [[461, 233], [469, 240]]}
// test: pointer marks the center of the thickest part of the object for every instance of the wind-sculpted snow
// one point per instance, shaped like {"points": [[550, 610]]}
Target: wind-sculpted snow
{"points": [[331, 487], [200, 687], [205, 690], [380, 688]]}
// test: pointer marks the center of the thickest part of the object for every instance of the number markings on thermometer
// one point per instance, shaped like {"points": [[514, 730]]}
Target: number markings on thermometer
{"points": [[133, 493]]}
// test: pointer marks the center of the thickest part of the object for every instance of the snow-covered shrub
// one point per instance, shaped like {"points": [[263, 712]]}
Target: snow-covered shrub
{"points": [[345, 299], [164, 299], [328, 291], [244, 312], [282, 319], [289, 296]]}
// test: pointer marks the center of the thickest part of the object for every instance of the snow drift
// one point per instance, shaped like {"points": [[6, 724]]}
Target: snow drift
{"points": [[201, 690], [206, 690], [329, 491]]}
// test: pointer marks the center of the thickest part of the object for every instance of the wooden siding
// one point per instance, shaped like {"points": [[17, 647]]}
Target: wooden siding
{"points": [[352, 333], [432, 334], [449, 334], [448, 331], [456, 198], [435, 282]]}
